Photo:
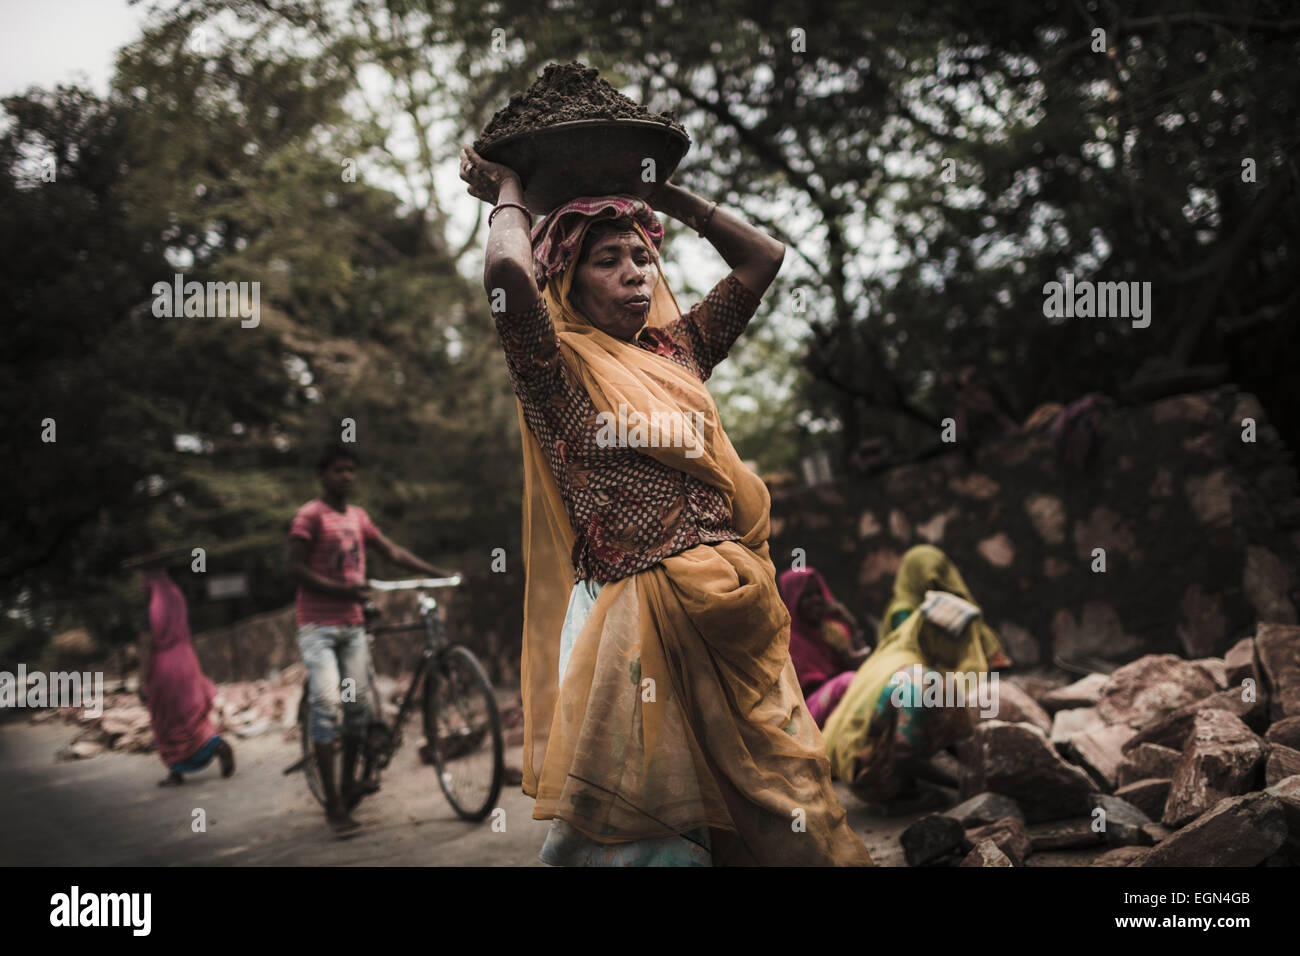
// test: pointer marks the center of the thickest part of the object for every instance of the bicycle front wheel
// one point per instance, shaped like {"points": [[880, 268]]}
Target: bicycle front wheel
{"points": [[463, 727]]}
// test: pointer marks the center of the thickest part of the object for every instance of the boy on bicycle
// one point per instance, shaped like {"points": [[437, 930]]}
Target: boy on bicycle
{"points": [[327, 557]]}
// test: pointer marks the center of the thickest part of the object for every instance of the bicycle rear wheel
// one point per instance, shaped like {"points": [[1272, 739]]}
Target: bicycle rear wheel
{"points": [[310, 767], [463, 727]]}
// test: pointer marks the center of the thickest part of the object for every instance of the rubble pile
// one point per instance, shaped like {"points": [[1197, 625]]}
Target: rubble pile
{"points": [[242, 709], [1166, 762]]}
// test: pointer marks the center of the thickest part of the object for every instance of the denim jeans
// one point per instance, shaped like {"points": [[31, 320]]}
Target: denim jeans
{"points": [[334, 654]]}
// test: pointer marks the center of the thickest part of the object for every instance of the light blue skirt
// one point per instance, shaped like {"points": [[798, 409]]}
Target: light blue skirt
{"points": [[567, 846]]}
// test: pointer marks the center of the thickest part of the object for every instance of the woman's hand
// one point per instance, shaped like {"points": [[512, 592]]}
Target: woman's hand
{"points": [[485, 179], [660, 198], [754, 256]]}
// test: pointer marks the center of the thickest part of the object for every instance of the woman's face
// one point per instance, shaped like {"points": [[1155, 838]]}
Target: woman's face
{"points": [[812, 603], [613, 285]]}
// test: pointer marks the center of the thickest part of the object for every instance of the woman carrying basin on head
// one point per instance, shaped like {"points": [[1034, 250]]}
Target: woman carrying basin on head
{"points": [[663, 719]]}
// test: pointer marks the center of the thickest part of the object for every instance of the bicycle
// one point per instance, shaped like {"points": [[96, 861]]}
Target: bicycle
{"points": [[461, 721]]}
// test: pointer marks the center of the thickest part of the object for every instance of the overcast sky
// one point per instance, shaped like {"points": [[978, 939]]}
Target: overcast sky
{"points": [[45, 42]]}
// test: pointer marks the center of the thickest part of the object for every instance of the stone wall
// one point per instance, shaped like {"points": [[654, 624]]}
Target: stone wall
{"points": [[1200, 532], [1199, 529]]}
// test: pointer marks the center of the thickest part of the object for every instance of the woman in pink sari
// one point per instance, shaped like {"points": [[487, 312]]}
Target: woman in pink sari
{"points": [[821, 640], [172, 684]]}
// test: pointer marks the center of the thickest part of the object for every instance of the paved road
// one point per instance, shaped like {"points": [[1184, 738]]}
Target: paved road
{"points": [[107, 811]]}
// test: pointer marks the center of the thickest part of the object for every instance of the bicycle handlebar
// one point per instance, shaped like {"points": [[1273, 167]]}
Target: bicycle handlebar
{"points": [[416, 583]]}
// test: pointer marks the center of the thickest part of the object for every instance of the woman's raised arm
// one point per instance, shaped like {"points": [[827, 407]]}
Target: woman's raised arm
{"points": [[508, 261], [754, 256]]}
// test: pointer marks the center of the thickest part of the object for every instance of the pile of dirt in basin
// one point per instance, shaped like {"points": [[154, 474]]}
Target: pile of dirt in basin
{"points": [[562, 94]]}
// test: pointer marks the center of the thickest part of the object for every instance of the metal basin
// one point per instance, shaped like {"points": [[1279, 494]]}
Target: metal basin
{"points": [[588, 158]]}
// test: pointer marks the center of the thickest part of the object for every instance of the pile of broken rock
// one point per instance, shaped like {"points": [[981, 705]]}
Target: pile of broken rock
{"points": [[242, 708], [1166, 761]]}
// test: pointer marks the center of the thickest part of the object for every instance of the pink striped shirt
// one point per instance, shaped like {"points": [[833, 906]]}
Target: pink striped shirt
{"points": [[337, 551]]}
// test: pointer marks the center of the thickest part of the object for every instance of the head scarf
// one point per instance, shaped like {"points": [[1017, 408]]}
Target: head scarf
{"points": [[926, 568], [168, 616], [814, 660], [558, 237]]}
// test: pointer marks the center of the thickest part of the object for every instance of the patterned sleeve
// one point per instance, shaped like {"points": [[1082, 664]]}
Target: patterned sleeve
{"points": [[532, 351], [304, 524], [710, 328]]}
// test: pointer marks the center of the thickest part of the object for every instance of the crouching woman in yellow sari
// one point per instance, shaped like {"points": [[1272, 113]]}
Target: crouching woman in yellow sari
{"points": [[663, 721], [932, 638]]}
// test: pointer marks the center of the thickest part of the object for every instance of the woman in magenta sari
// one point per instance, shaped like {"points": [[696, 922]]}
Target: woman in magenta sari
{"points": [[173, 687], [821, 640]]}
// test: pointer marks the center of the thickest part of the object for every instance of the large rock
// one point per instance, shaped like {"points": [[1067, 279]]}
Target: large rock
{"points": [[1067, 723], [1022, 647], [1014, 706], [1285, 732], [984, 808], [1277, 648], [1172, 731], [1009, 834], [1152, 687], [1281, 762], [934, 840], [1216, 668], [1018, 761], [1202, 625], [1239, 662], [998, 550], [1215, 498], [1149, 760], [1065, 835], [1237, 831], [1267, 583], [1220, 760], [986, 853], [1288, 792], [1147, 795], [1100, 750], [1097, 632], [1047, 512], [1124, 824], [1085, 692], [1122, 856]]}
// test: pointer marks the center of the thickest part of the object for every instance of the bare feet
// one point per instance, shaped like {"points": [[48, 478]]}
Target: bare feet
{"points": [[173, 779], [226, 755]]}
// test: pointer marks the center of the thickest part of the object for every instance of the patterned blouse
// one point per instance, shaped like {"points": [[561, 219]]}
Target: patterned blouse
{"points": [[628, 511]]}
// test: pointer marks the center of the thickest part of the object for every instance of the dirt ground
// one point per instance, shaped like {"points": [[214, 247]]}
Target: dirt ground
{"points": [[108, 811]]}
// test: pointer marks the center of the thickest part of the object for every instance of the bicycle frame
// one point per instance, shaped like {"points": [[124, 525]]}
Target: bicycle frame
{"points": [[434, 641]]}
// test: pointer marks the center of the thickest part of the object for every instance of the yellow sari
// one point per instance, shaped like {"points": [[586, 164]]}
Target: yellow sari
{"points": [[679, 706]]}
